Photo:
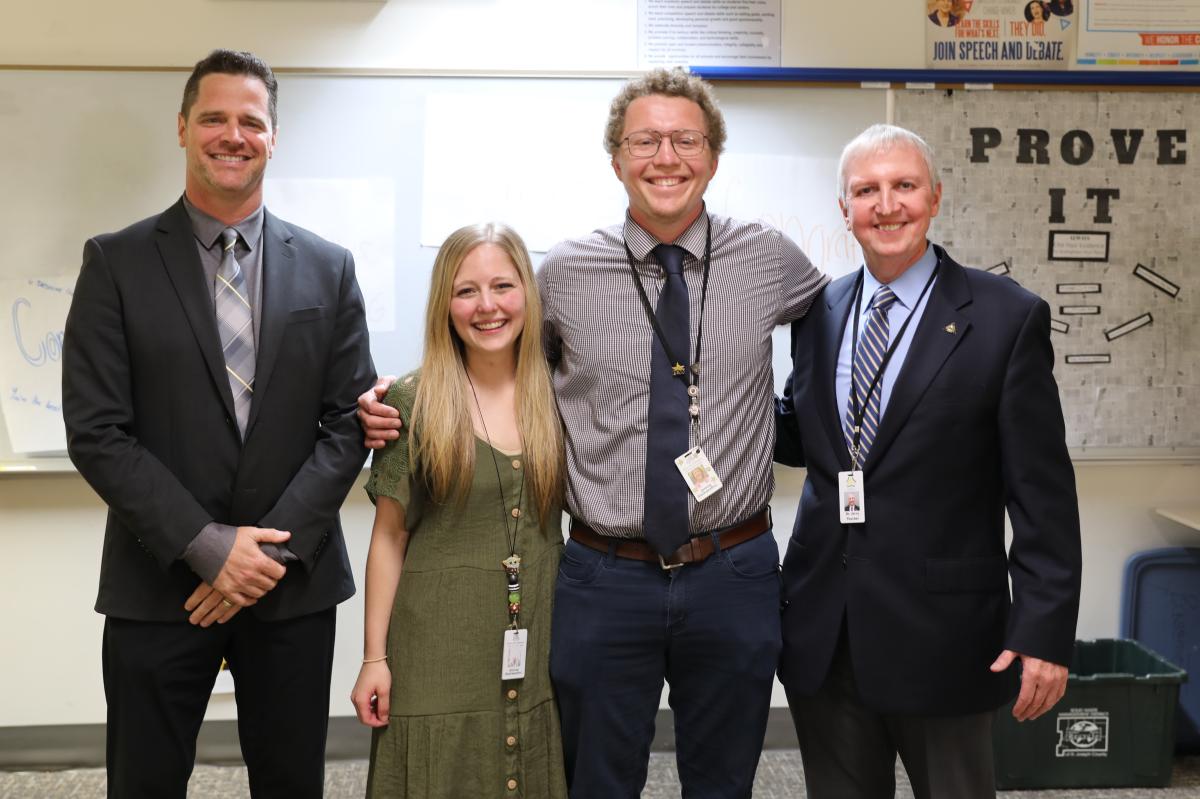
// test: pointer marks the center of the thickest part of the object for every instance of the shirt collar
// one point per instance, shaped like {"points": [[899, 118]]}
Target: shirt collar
{"points": [[207, 229], [910, 284], [641, 241]]}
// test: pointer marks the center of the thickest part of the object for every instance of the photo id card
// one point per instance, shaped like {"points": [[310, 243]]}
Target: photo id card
{"points": [[698, 473], [851, 498], [513, 667]]}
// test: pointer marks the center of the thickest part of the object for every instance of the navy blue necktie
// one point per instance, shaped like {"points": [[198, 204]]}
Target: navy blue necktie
{"points": [[665, 523]]}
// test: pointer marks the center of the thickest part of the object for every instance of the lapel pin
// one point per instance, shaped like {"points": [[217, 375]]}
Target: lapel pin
{"points": [[950, 328]]}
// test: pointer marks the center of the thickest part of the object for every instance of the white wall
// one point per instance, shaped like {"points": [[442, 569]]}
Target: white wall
{"points": [[51, 525], [553, 35]]}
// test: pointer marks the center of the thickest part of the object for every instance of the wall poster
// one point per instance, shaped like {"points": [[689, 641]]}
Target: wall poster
{"points": [[1087, 199]]}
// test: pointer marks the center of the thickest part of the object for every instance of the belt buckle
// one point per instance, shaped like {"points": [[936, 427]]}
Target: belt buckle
{"points": [[668, 566]]}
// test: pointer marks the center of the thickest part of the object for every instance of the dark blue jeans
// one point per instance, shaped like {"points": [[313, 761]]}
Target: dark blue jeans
{"points": [[622, 627]]}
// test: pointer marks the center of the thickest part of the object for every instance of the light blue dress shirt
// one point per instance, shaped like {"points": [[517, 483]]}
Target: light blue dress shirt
{"points": [[907, 289]]}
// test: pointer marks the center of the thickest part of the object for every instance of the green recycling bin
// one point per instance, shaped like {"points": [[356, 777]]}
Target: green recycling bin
{"points": [[1114, 727]]}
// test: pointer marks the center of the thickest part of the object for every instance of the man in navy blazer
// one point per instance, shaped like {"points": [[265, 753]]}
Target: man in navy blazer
{"points": [[223, 475], [900, 636]]}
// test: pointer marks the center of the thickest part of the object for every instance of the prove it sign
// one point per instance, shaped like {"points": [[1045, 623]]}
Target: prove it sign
{"points": [[999, 34]]}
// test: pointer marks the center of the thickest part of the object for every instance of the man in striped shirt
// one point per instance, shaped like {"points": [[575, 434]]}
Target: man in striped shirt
{"points": [[703, 615]]}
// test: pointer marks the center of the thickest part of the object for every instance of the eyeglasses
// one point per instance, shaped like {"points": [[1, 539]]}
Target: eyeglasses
{"points": [[645, 143]]}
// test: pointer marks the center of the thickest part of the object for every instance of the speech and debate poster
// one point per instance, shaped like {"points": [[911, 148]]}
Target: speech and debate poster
{"points": [[1000, 34]]}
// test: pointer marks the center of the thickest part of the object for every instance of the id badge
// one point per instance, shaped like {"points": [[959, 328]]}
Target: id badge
{"points": [[513, 666], [698, 473], [851, 497]]}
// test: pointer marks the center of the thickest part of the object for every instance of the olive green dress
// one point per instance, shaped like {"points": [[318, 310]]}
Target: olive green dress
{"points": [[456, 729]]}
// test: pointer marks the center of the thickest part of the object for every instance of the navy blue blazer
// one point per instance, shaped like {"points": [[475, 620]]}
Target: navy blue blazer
{"points": [[973, 427]]}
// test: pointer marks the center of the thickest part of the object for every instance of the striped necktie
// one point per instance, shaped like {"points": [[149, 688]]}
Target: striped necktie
{"points": [[235, 324], [868, 354]]}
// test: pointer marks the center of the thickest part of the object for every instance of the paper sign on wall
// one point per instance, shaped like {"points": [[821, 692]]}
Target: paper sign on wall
{"points": [[31, 346]]}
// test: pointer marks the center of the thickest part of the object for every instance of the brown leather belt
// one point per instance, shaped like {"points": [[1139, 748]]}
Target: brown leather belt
{"points": [[694, 551]]}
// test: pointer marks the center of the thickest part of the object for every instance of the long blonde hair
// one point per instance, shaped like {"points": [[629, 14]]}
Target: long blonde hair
{"points": [[444, 445]]}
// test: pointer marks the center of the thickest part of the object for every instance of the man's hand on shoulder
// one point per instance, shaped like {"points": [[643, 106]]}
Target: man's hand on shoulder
{"points": [[1042, 684], [381, 423]]}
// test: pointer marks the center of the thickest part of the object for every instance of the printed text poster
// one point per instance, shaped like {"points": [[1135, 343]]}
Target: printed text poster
{"points": [[999, 34], [713, 33], [1139, 34]]}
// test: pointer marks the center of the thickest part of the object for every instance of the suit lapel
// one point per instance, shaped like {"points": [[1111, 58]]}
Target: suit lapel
{"points": [[838, 299], [931, 346], [177, 247], [278, 273]]}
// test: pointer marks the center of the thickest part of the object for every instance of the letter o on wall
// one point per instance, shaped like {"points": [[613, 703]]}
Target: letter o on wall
{"points": [[1086, 147]]}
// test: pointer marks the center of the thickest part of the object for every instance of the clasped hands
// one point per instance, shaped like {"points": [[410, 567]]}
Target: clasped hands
{"points": [[246, 577]]}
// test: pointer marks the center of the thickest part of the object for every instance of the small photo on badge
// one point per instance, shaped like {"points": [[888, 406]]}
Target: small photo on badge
{"points": [[852, 501], [698, 473]]}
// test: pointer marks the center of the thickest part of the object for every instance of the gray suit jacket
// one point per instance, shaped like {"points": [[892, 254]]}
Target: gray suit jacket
{"points": [[150, 421]]}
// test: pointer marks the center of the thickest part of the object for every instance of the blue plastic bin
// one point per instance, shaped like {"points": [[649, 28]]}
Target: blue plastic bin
{"points": [[1161, 608]]}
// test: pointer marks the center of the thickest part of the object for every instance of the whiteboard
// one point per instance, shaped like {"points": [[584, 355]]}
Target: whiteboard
{"points": [[86, 152]]}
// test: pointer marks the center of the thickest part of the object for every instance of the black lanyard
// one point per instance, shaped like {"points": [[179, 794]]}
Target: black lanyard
{"points": [[857, 413], [690, 376], [512, 564]]}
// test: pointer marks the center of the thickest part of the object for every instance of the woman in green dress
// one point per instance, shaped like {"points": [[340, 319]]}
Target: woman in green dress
{"points": [[465, 545]]}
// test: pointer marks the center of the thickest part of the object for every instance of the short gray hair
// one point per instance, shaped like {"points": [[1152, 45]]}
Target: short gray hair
{"points": [[677, 82], [880, 138]]}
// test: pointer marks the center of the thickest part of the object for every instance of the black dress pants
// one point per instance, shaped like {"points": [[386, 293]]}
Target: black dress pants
{"points": [[158, 677], [849, 751]]}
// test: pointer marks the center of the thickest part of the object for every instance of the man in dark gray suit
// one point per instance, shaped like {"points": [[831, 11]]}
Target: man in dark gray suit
{"points": [[212, 359]]}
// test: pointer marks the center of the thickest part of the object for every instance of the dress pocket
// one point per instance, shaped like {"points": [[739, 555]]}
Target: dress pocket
{"points": [[306, 314]]}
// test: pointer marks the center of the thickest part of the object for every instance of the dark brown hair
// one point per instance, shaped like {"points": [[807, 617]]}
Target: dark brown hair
{"points": [[231, 62]]}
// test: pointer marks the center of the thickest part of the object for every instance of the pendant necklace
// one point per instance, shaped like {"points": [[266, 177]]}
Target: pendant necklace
{"points": [[511, 564]]}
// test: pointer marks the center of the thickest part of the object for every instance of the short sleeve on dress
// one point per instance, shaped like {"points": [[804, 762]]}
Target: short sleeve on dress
{"points": [[391, 471]]}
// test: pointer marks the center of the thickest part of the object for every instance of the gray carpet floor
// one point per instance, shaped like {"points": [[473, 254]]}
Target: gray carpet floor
{"points": [[779, 775]]}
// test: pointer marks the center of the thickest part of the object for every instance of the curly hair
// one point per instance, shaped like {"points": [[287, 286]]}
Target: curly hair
{"points": [[676, 82]]}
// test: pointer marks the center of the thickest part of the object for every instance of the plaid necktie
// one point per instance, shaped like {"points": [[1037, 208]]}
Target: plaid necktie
{"points": [[867, 357], [665, 521], [235, 324]]}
